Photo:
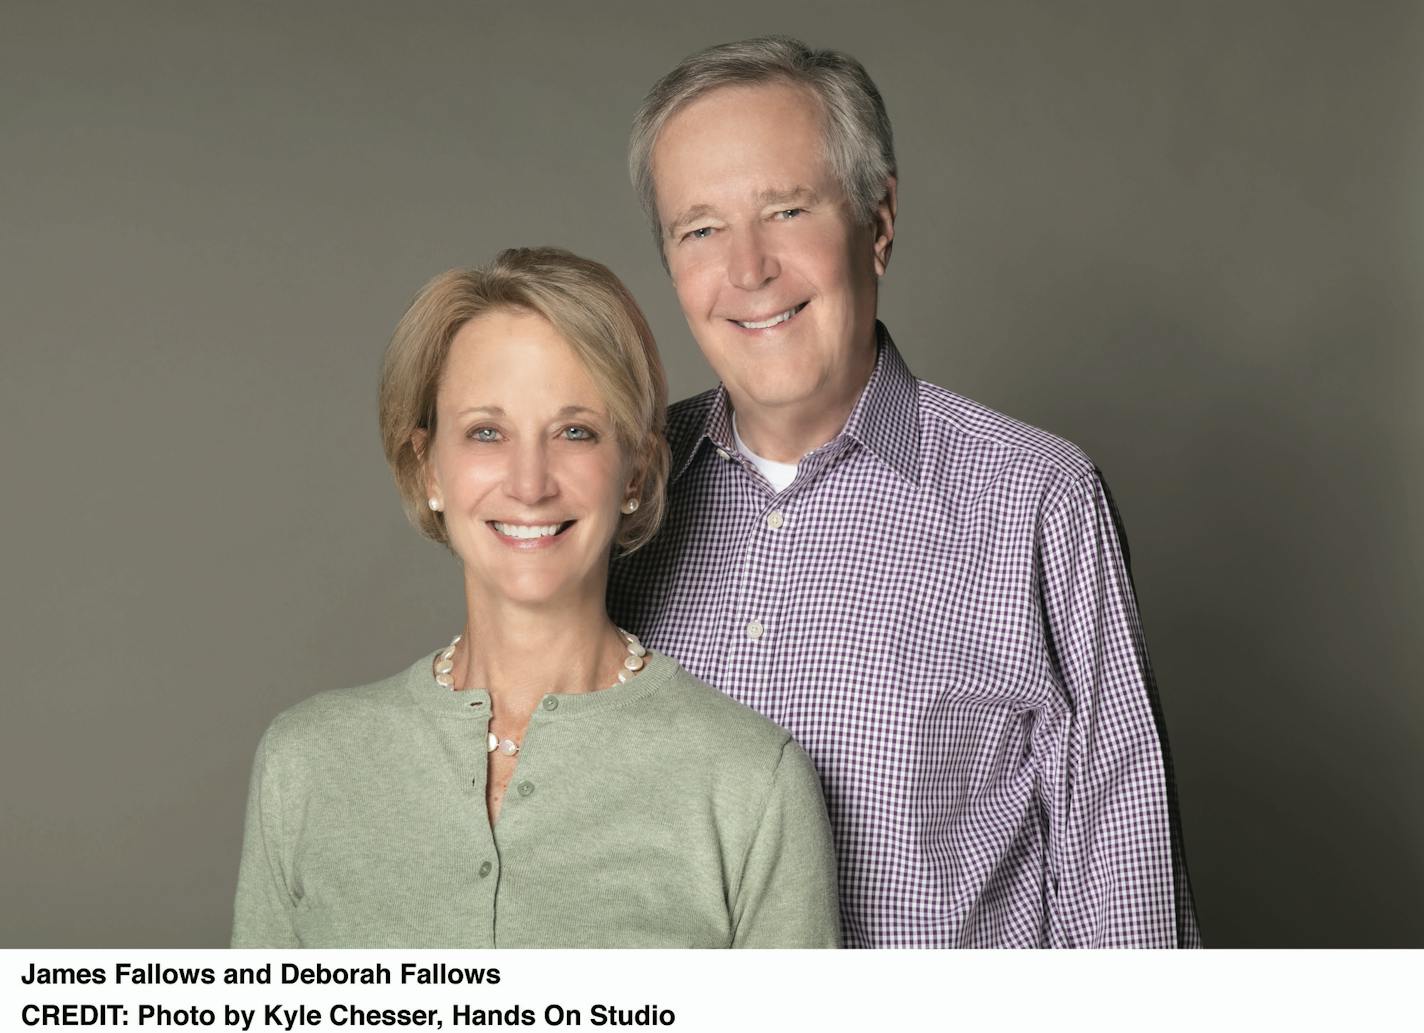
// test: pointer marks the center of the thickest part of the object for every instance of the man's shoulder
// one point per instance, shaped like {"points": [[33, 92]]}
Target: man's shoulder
{"points": [[953, 423]]}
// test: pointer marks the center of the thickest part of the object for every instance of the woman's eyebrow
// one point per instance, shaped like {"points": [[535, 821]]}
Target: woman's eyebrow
{"points": [[566, 411]]}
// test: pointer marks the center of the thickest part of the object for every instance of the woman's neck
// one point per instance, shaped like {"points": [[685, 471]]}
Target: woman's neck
{"points": [[519, 653]]}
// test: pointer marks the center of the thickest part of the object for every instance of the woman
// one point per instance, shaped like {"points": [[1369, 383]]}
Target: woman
{"points": [[543, 781]]}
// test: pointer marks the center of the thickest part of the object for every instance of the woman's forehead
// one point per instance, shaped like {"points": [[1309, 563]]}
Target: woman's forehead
{"points": [[517, 362]]}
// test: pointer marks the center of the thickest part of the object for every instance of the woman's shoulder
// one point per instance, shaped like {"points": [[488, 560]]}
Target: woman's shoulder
{"points": [[335, 712], [709, 740], [710, 714]]}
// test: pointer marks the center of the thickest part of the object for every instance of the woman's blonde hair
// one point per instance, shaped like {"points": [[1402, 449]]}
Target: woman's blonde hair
{"points": [[590, 308]]}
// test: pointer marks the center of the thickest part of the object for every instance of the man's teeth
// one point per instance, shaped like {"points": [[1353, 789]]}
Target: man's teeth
{"points": [[526, 530], [769, 322]]}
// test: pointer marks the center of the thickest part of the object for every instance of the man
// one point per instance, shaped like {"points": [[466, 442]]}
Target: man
{"points": [[930, 596]]}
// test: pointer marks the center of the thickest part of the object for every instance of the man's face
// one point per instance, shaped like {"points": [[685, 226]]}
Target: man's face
{"points": [[775, 274]]}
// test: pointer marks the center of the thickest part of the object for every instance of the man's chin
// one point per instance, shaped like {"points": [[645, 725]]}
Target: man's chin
{"points": [[772, 397], [773, 379]]}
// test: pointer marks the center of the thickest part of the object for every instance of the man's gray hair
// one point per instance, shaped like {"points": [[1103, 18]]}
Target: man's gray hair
{"points": [[860, 146]]}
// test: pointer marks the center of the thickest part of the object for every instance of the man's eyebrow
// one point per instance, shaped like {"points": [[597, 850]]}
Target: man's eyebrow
{"points": [[788, 195], [697, 211], [777, 195]]}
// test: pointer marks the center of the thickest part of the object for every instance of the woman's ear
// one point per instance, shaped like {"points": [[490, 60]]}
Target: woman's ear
{"points": [[632, 495], [419, 442]]}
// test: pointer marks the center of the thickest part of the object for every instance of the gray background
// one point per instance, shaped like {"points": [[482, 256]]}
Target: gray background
{"points": [[1186, 236]]}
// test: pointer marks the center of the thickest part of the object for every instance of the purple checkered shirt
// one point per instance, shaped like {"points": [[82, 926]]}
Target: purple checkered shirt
{"points": [[938, 609]]}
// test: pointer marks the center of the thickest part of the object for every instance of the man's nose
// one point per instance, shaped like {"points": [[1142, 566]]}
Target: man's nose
{"points": [[530, 476], [751, 265]]}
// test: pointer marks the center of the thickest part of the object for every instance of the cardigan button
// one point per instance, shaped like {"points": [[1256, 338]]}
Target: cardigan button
{"points": [[485, 869], [525, 788]]}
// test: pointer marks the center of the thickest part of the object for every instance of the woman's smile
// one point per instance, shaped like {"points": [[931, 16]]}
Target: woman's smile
{"points": [[525, 537]]}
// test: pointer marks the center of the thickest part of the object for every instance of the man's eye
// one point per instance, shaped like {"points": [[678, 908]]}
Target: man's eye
{"points": [[790, 213], [578, 434], [482, 434], [701, 233]]}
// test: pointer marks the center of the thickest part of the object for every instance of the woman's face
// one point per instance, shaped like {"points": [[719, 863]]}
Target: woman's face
{"points": [[525, 463]]}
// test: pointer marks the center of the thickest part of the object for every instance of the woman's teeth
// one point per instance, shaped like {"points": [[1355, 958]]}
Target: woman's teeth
{"points": [[526, 530], [773, 321]]}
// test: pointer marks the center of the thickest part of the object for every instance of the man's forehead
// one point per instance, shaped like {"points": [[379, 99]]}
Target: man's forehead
{"points": [[729, 111]]}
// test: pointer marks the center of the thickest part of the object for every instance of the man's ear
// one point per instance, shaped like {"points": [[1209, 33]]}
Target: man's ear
{"points": [[884, 223]]}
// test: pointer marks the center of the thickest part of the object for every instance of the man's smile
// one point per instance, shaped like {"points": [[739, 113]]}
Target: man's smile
{"points": [[771, 321]]}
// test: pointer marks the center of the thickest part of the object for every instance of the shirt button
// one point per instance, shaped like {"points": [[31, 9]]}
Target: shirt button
{"points": [[774, 520], [722, 453], [525, 788], [755, 630], [550, 703], [485, 869]]}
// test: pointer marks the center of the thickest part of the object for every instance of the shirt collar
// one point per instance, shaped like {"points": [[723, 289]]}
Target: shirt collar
{"points": [[716, 428], [885, 420]]}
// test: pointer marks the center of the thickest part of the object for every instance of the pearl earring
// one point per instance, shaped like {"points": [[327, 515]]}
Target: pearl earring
{"points": [[630, 505], [434, 504]]}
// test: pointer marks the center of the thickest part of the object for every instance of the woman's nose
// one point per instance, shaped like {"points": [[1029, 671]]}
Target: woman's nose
{"points": [[530, 476]]}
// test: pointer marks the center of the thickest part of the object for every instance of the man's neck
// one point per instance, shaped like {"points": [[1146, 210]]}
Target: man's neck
{"points": [[784, 434]]}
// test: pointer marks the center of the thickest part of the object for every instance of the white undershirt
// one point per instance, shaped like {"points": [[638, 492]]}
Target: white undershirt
{"points": [[780, 475]]}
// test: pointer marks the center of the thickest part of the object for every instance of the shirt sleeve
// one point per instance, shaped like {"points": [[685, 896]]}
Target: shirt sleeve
{"points": [[1116, 875], [787, 894], [262, 910]]}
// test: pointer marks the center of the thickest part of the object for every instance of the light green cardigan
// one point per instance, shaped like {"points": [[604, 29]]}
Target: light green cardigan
{"points": [[658, 813]]}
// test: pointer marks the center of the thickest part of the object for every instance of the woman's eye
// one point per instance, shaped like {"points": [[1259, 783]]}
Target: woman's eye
{"points": [[790, 213], [578, 434], [486, 434]]}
